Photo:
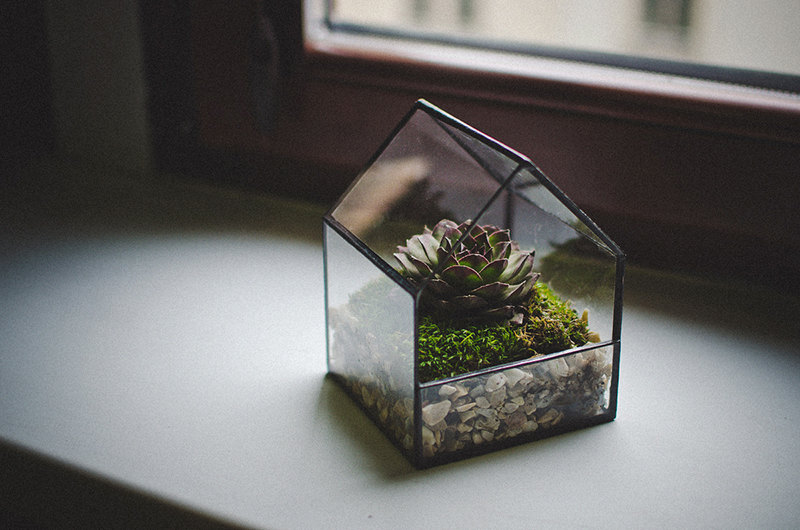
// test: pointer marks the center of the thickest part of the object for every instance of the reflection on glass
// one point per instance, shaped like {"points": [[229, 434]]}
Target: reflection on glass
{"points": [[370, 338]]}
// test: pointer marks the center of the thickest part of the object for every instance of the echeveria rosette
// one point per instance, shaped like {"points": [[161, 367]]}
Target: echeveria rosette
{"points": [[485, 277]]}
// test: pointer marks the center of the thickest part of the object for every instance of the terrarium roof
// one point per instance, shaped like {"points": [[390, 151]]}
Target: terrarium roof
{"points": [[435, 166]]}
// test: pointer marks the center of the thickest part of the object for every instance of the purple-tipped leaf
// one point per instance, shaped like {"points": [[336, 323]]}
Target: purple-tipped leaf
{"points": [[449, 239], [465, 226], [498, 236], [448, 261], [406, 265], [492, 271], [463, 277], [481, 240], [517, 319], [422, 266], [442, 306], [468, 243], [442, 228], [492, 291], [469, 303], [501, 250], [430, 246], [474, 261], [519, 291], [440, 288], [500, 312], [415, 247], [519, 266], [441, 255]]}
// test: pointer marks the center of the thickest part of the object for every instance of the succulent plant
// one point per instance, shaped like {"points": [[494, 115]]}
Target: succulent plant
{"points": [[485, 276]]}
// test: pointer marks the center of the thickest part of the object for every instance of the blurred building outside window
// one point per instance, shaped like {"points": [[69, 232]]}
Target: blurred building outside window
{"points": [[737, 34]]}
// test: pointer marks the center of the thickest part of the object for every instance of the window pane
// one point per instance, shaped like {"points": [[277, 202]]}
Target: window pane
{"points": [[732, 34]]}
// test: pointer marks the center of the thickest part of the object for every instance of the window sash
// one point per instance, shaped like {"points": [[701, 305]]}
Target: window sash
{"points": [[624, 72]]}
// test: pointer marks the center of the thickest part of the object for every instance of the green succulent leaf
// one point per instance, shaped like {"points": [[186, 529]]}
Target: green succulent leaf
{"points": [[499, 236], [422, 267], [407, 267], [481, 277], [524, 271], [441, 256], [449, 261], [441, 289], [443, 228], [518, 291], [469, 302], [461, 276], [481, 241], [414, 248], [519, 264], [492, 291], [474, 261], [492, 271], [501, 250], [430, 247]]}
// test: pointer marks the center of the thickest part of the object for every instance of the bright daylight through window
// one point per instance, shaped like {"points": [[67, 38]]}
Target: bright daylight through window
{"points": [[736, 41]]}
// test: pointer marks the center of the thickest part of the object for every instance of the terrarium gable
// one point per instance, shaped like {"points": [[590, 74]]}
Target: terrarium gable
{"points": [[493, 347]]}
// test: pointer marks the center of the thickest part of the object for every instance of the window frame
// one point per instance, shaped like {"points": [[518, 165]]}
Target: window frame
{"points": [[531, 60], [720, 166], [509, 76]]}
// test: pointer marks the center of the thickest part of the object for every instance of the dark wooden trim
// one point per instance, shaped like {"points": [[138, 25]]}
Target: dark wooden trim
{"points": [[778, 119]]}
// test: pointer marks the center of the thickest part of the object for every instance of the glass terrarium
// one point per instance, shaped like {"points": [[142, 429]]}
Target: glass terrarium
{"points": [[470, 304]]}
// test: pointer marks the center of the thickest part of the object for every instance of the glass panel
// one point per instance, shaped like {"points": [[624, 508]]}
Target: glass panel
{"points": [[529, 400], [527, 185], [421, 177], [573, 261], [497, 163], [370, 337]]}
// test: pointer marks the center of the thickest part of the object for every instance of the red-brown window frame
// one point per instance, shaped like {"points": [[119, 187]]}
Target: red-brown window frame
{"points": [[699, 183]]}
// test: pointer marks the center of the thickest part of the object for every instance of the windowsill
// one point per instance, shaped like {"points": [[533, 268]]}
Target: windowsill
{"points": [[167, 340]]}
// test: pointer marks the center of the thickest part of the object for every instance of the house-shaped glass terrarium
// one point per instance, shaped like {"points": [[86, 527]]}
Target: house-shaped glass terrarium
{"points": [[470, 304]]}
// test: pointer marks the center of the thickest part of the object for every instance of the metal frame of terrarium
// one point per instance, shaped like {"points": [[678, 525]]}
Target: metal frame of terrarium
{"points": [[502, 183]]}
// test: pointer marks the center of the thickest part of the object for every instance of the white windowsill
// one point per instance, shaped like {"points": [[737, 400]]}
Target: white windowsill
{"points": [[181, 353]]}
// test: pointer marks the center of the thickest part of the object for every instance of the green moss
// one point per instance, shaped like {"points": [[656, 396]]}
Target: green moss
{"points": [[447, 348], [551, 324]]}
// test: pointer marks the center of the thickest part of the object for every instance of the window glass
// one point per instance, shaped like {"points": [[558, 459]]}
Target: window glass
{"points": [[728, 40]]}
